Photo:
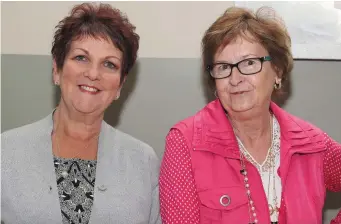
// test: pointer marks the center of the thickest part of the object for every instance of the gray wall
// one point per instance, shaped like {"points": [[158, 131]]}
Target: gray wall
{"points": [[160, 92]]}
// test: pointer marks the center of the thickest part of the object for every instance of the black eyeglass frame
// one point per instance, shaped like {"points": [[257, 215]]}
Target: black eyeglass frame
{"points": [[262, 59]]}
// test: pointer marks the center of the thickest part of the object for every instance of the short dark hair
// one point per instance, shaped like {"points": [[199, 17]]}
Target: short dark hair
{"points": [[97, 21], [268, 31]]}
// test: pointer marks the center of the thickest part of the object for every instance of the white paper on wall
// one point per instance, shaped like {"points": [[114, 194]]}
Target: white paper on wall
{"points": [[314, 27]]}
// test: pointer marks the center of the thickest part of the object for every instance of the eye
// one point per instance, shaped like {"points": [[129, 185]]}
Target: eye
{"points": [[110, 65], [223, 67], [250, 62], [80, 58]]}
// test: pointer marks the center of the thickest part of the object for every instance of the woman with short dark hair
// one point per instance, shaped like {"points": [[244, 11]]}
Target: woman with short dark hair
{"points": [[71, 166]]}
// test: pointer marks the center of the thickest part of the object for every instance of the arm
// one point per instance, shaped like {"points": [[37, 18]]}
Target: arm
{"points": [[332, 169], [178, 195], [154, 163], [332, 165], [155, 210], [337, 220]]}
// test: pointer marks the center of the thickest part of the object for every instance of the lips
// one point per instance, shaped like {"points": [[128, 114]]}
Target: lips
{"points": [[239, 92], [89, 89]]}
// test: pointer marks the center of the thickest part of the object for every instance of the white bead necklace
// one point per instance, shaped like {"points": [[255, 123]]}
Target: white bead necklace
{"points": [[252, 210]]}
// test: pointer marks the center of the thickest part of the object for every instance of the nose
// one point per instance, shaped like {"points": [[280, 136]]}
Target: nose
{"points": [[92, 73], [236, 77]]}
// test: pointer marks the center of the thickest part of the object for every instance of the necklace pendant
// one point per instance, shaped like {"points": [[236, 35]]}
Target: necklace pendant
{"points": [[271, 209], [64, 174]]}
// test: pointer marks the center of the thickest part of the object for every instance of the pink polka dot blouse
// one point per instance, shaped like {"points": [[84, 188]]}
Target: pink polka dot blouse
{"points": [[179, 200]]}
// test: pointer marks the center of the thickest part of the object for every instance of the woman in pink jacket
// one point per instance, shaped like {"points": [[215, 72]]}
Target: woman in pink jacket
{"points": [[242, 159]]}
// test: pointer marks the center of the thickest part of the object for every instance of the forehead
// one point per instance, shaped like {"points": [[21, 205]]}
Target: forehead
{"points": [[98, 46], [239, 49]]}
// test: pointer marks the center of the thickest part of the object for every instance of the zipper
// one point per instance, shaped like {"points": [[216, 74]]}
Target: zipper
{"points": [[282, 202]]}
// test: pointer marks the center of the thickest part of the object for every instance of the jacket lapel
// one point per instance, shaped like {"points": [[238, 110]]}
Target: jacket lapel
{"points": [[50, 199], [103, 184], [297, 136], [47, 188], [214, 133]]}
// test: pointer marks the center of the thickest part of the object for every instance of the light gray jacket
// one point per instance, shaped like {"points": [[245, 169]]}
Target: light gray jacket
{"points": [[126, 188]]}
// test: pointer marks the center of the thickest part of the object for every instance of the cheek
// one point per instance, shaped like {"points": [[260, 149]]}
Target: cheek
{"points": [[70, 72], [264, 84], [222, 84], [112, 83]]}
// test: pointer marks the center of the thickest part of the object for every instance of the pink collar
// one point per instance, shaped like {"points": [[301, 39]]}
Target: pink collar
{"points": [[214, 133]]}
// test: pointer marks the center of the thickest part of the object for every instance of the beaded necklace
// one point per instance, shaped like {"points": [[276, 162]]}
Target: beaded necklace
{"points": [[251, 207]]}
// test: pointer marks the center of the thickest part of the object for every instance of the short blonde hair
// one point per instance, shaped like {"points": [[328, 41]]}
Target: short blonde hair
{"points": [[260, 26]]}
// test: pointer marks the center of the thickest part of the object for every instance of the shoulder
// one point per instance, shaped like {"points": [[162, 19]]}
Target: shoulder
{"points": [[25, 135], [130, 146], [187, 124], [292, 123], [301, 132], [305, 125], [135, 156], [186, 127], [22, 146]]}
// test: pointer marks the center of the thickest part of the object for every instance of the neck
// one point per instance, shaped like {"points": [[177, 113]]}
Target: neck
{"points": [[75, 126], [251, 128]]}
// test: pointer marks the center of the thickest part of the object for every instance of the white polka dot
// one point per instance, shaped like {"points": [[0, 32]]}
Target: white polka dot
{"points": [[179, 201], [332, 169]]}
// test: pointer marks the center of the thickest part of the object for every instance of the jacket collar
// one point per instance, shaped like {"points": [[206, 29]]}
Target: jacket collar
{"points": [[107, 141], [213, 132]]}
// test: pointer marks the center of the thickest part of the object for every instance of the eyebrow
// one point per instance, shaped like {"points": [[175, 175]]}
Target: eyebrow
{"points": [[241, 58], [247, 55], [87, 53]]}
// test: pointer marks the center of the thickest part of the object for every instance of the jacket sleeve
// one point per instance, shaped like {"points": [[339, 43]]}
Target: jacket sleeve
{"points": [[337, 220], [154, 164], [178, 196], [332, 169], [332, 165], [155, 208]]}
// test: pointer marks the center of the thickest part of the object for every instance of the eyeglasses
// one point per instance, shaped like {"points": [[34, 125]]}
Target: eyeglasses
{"points": [[247, 66]]}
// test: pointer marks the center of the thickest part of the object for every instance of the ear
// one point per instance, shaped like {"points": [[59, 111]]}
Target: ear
{"points": [[118, 94], [120, 88], [124, 80], [55, 73], [279, 73]]}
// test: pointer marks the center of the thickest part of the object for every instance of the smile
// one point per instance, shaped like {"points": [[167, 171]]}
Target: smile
{"points": [[240, 92], [89, 89]]}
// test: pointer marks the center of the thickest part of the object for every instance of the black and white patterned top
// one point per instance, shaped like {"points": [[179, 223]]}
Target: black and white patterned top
{"points": [[75, 182]]}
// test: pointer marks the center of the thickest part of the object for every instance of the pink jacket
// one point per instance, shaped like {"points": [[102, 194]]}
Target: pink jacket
{"points": [[201, 163]]}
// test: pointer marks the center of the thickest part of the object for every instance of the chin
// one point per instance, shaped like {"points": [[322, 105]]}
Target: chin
{"points": [[87, 108], [241, 106]]}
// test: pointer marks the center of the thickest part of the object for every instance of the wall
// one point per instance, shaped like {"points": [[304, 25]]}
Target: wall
{"points": [[166, 84]]}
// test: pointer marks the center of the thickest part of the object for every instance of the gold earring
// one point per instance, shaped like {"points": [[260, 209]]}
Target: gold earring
{"points": [[278, 85], [56, 83]]}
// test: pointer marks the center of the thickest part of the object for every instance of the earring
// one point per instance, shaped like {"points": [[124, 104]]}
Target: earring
{"points": [[278, 85], [56, 83]]}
